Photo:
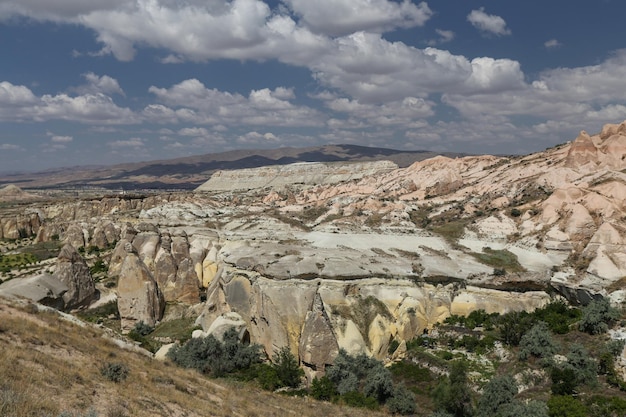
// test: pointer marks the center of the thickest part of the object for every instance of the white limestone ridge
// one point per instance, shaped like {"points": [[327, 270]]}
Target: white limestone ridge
{"points": [[300, 173]]}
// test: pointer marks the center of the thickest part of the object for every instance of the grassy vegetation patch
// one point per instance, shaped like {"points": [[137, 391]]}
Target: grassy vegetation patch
{"points": [[177, 329], [9, 262], [43, 250], [452, 230], [107, 315], [499, 258]]}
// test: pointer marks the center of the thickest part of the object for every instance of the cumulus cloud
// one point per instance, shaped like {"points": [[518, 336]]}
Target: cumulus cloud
{"points": [[61, 139], [403, 113], [100, 84], [574, 95], [256, 138], [488, 23], [193, 131], [552, 44], [191, 101], [18, 103], [55, 10], [132, 143], [10, 147], [445, 36], [342, 17]]}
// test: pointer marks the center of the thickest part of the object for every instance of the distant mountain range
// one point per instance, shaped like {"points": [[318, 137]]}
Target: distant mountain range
{"points": [[190, 172]]}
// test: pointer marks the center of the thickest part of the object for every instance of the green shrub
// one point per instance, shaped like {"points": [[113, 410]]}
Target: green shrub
{"points": [[498, 392], [558, 315], [357, 399], [584, 365], [597, 316], [142, 329], [288, 371], [393, 346], [209, 355], [267, 377], [537, 342], [323, 389], [401, 402], [563, 380], [98, 267], [453, 393], [360, 374], [600, 406], [518, 408], [512, 326], [566, 406], [115, 372]]}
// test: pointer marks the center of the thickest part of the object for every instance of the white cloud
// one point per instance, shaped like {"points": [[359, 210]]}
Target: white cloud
{"points": [[342, 17], [134, 143], [403, 113], [191, 101], [445, 36], [16, 95], [100, 84], [55, 10], [61, 139], [10, 147], [256, 138], [488, 23], [18, 103], [576, 96], [193, 131], [552, 44]]}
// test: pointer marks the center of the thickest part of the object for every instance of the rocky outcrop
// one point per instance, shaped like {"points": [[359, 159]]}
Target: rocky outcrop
{"points": [[139, 298], [301, 173], [72, 270], [317, 317], [318, 344], [44, 289]]}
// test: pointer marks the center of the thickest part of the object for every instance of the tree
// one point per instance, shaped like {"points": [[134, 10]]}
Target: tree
{"points": [[513, 325], [499, 391], [598, 316], [537, 342], [287, 369], [453, 393], [323, 389]]}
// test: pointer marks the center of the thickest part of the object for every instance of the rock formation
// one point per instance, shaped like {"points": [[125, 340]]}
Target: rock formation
{"points": [[72, 270], [139, 298], [301, 173], [44, 289]]}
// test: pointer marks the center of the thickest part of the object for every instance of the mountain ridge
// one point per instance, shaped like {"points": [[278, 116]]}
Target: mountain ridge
{"points": [[187, 173]]}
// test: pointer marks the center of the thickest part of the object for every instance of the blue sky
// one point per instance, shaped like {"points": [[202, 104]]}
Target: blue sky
{"points": [[113, 81]]}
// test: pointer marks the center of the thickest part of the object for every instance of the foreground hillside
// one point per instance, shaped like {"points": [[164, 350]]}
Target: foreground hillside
{"points": [[50, 366]]}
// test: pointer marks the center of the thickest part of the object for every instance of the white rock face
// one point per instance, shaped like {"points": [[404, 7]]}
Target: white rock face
{"points": [[301, 173]]}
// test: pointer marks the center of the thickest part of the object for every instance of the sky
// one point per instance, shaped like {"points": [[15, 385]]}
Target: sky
{"points": [[86, 82]]}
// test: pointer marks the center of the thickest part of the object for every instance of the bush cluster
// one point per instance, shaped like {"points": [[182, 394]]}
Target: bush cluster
{"points": [[361, 381], [214, 357], [114, 371], [283, 372]]}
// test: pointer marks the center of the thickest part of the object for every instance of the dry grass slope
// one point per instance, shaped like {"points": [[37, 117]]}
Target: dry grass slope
{"points": [[49, 366]]}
